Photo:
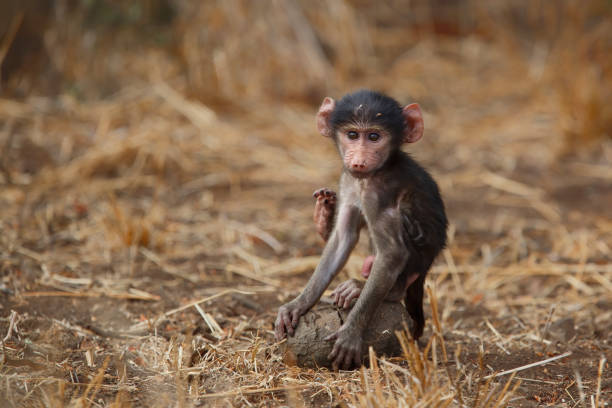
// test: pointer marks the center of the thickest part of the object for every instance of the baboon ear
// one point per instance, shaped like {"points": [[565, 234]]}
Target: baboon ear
{"points": [[413, 120], [323, 116]]}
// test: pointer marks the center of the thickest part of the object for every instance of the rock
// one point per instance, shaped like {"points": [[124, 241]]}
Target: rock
{"points": [[306, 348]]}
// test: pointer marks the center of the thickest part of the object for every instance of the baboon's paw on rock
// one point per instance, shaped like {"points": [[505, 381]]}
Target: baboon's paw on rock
{"points": [[307, 347]]}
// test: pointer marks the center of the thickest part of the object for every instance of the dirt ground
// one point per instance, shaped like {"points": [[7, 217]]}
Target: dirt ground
{"points": [[148, 237]]}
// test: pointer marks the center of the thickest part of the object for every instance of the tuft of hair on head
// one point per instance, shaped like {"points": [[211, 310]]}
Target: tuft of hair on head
{"points": [[369, 108]]}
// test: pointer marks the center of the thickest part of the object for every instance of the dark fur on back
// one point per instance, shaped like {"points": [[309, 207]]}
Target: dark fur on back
{"points": [[369, 107], [424, 224], [426, 205]]}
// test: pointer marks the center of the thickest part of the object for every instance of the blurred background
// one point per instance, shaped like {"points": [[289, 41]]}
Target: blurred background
{"points": [[534, 76], [159, 151], [222, 94], [236, 53]]}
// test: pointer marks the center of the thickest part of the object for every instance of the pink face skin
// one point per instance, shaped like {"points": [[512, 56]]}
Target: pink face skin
{"points": [[365, 148]]}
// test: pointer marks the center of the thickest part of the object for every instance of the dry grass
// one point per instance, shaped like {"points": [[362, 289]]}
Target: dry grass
{"points": [[148, 236]]}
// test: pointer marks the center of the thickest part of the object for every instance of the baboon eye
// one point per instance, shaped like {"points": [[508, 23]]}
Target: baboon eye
{"points": [[374, 137], [352, 135]]}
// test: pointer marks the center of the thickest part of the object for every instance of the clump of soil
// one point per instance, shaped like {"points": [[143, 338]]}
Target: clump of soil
{"points": [[307, 347]]}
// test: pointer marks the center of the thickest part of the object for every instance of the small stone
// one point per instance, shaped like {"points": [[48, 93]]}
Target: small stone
{"points": [[562, 330]]}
